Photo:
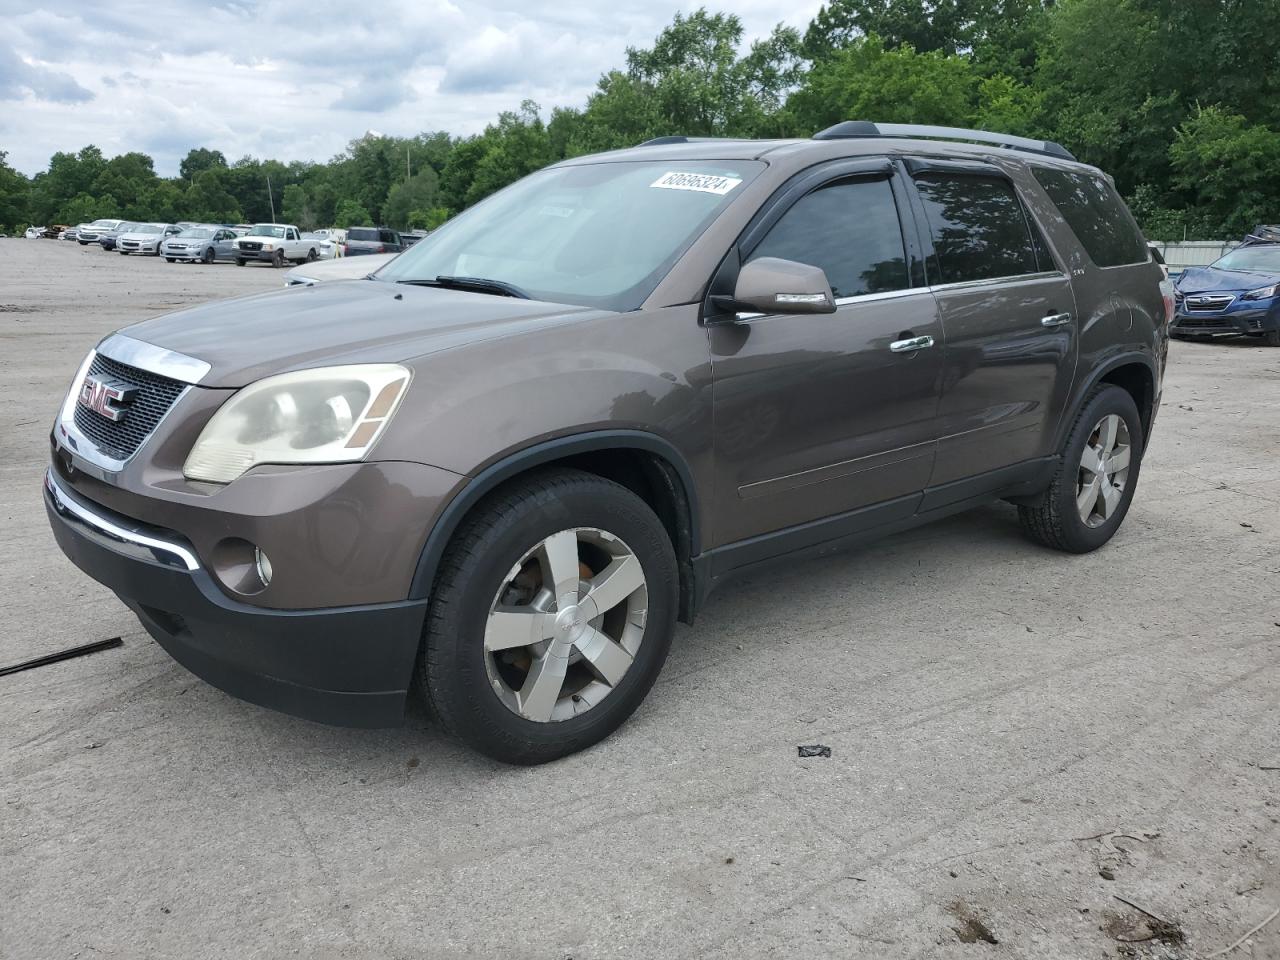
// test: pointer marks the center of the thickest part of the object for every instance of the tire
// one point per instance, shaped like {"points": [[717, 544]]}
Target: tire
{"points": [[1272, 338], [239, 262], [207, 256], [312, 256], [1057, 520], [83, 243], [124, 253], [471, 690], [171, 260], [277, 259]]}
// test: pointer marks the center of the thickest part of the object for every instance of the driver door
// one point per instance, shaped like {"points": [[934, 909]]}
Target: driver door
{"points": [[820, 415]]}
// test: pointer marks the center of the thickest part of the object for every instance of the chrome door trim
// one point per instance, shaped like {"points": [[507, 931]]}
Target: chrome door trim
{"points": [[996, 281], [845, 301]]}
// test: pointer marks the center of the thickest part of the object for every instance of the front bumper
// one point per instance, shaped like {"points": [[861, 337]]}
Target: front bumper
{"points": [[1235, 321], [266, 255], [182, 253], [343, 665], [136, 246]]}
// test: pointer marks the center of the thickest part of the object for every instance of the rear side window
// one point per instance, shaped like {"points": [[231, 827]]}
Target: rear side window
{"points": [[979, 229], [850, 230], [1096, 214], [362, 233]]}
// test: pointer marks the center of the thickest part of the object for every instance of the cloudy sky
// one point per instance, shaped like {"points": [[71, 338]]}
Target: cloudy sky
{"points": [[296, 80]]}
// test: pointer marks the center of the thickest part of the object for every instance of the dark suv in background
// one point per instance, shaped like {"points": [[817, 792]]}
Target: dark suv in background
{"points": [[361, 240], [504, 465]]}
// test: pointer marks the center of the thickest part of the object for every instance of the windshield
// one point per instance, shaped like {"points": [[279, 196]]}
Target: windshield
{"points": [[148, 228], [197, 233], [1259, 259], [601, 234], [266, 230]]}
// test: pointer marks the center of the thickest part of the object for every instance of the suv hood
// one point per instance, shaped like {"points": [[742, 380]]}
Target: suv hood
{"points": [[346, 321], [1204, 279]]}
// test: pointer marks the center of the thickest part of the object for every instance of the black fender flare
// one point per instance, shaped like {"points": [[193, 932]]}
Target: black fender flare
{"points": [[546, 452], [1095, 376]]}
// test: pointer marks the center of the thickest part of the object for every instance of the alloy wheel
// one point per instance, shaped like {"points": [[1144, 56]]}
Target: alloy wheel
{"points": [[1104, 471], [566, 625]]}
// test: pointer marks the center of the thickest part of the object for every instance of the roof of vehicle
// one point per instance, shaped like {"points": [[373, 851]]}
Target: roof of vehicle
{"points": [[848, 139], [274, 225]]}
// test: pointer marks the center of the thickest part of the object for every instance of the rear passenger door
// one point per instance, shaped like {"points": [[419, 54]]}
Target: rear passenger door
{"points": [[819, 415], [1008, 315]]}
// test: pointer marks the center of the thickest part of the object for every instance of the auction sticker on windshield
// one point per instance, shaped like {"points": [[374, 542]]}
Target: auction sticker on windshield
{"points": [[701, 182]]}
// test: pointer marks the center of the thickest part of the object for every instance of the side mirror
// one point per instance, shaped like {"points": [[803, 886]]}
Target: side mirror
{"points": [[772, 285]]}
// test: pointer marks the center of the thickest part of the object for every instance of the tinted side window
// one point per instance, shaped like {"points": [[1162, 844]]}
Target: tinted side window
{"points": [[1096, 214], [362, 233], [389, 237], [979, 231], [850, 230]]}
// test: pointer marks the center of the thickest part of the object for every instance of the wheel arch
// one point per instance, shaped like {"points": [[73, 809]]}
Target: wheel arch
{"points": [[1133, 372], [645, 463]]}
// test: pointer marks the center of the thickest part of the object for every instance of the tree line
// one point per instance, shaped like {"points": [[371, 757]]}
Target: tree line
{"points": [[1177, 99]]}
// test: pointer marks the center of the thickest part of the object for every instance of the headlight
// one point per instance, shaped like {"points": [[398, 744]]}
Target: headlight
{"points": [[267, 246], [1263, 293], [327, 415]]}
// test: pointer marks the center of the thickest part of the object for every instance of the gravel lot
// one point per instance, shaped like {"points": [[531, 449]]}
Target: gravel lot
{"points": [[988, 705]]}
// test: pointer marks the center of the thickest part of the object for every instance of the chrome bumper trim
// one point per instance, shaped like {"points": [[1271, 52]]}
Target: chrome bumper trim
{"points": [[164, 551]]}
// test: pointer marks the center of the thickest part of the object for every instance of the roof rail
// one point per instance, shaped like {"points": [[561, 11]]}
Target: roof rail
{"points": [[659, 141], [851, 129]]}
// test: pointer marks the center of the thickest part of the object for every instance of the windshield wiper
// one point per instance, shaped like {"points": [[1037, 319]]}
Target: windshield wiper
{"points": [[479, 284]]}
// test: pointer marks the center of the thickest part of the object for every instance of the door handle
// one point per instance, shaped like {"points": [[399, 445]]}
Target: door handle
{"points": [[1056, 320], [911, 344]]}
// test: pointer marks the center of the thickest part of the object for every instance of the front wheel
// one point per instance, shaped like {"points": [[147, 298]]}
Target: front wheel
{"points": [[207, 256], [551, 617], [1272, 338], [239, 262], [277, 259], [1095, 481], [171, 260]]}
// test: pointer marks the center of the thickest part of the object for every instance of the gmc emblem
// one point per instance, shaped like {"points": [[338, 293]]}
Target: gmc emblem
{"points": [[108, 398]]}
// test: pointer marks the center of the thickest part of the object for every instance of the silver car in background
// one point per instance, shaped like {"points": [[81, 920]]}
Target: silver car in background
{"points": [[145, 238], [88, 233], [201, 242]]}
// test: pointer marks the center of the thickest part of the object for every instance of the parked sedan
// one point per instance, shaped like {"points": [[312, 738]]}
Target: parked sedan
{"points": [[326, 248], [146, 238], [108, 239], [203, 243], [1236, 295], [88, 233]]}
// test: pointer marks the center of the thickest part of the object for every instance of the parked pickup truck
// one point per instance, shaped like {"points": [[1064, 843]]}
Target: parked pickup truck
{"points": [[275, 243]]}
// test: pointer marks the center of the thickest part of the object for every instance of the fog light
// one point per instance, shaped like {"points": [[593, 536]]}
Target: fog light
{"points": [[263, 565]]}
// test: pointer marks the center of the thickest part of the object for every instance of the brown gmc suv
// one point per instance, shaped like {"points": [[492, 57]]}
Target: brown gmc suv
{"points": [[504, 466]]}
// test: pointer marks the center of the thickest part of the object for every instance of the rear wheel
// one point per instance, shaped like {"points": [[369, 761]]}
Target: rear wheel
{"points": [[551, 617], [1095, 481], [312, 256]]}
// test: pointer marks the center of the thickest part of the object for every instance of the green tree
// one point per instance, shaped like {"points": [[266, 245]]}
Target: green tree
{"points": [[209, 200], [1230, 167], [85, 208], [351, 214], [868, 81], [200, 159], [419, 193], [15, 195]]}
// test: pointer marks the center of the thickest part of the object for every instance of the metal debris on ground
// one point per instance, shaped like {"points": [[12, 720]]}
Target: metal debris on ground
{"points": [[814, 750], [68, 654]]}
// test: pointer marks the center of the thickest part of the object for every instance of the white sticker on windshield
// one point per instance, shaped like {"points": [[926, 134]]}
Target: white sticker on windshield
{"points": [[701, 182]]}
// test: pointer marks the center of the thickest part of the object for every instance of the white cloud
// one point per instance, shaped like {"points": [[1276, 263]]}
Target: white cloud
{"points": [[297, 81]]}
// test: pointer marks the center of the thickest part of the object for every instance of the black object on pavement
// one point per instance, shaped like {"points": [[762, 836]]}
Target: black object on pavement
{"points": [[68, 654], [814, 750]]}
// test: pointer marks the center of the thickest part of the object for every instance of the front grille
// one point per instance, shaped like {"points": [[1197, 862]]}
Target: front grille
{"points": [[1199, 322], [120, 439], [1211, 304], [247, 245]]}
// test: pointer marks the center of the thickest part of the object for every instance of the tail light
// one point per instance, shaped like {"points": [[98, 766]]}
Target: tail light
{"points": [[1170, 308], [382, 248], [346, 250]]}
